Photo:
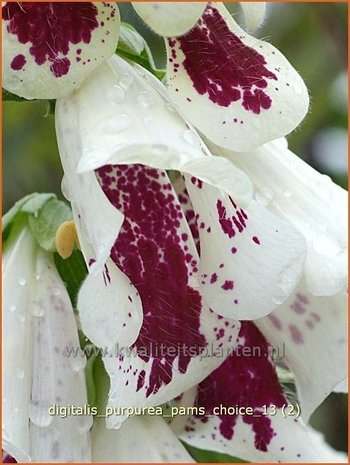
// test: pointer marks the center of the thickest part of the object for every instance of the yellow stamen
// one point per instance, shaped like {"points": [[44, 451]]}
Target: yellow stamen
{"points": [[66, 236]]}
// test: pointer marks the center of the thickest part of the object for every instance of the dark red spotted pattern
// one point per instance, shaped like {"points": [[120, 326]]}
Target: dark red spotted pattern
{"points": [[50, 28], [220, 65], [245, 381], [150, 250]]}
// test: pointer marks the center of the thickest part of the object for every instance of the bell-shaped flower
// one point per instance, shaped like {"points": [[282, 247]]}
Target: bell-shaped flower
{"points": [[247, 413], [146, 129], [38, 326], [240, 92], [73, 39], [310, 201]]}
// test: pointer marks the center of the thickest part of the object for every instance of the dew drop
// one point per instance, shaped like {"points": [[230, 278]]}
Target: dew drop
{"points": [[78, 362], [116, 94], [126, 80], [264, 195], [113, 124], [144, 99], [39, 413], [36, 309], [22, 282], [288, 194]]}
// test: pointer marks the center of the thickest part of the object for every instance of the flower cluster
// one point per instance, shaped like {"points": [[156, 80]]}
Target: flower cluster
{"points": [[202, 234]]}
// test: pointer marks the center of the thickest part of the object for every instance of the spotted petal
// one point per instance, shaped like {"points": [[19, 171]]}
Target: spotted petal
{"points": [[181, 340], [313, 333], [260, 433], [18, 278], [74, 39], [40, 327], [58, 375], [315, 205], [239, 91], [168, 19], [123, 117], [250, 259]]}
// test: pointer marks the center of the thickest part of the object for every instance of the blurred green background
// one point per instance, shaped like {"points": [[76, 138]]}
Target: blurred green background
{"points": [[313, 36]]}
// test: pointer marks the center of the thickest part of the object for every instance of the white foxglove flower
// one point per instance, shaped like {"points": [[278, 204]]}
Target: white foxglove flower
{"points": [[148, 130], [310, 201], [74, 39], [240, 92], [39, 324]]}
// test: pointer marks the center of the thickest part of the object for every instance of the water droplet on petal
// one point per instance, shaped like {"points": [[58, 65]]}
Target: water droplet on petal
{"points": [[78, 362], [115, 94], [113, 124], [144, 99], [39, 413], [12, 308], [126, 80], [36, 309], [264, 195], [22, 281]]}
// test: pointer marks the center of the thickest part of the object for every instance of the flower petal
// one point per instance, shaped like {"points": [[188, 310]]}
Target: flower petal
{"points": [[140, 439], [74, 39], [167, 19], [58, 374], [239, 91], [313, 332], [315, 205], [250, 259], [247, 379], [110, 308], [181, 340], [120, 116], [18, 278], [97, 221], [254, 14]]}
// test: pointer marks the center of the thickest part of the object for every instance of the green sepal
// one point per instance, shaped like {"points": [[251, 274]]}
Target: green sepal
{"points": [[46, 221], [73, 271], [133, 47]]}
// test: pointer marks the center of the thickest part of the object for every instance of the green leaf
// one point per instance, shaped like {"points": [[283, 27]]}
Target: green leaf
{"points": [[133, 47], [8, 96], [45, 222], [73, 271], [31, 204]]}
